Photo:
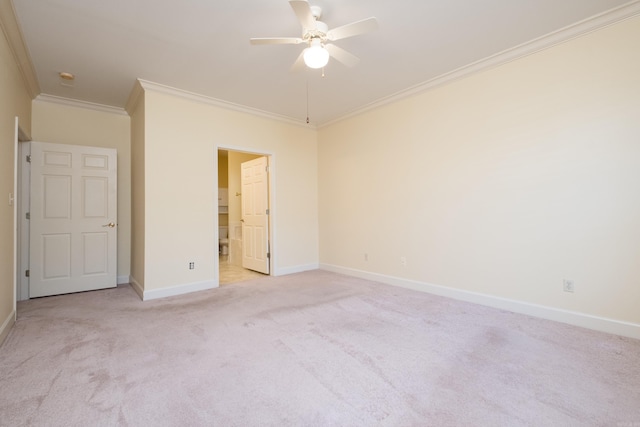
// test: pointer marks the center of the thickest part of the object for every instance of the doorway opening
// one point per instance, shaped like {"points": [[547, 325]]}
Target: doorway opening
{"points": [[244, 215]]}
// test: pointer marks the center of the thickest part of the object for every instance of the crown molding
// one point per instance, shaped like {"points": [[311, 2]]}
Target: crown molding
{"points": [[578, 29], [134, 97], [13, 33], [160, 88], [80, 104]]}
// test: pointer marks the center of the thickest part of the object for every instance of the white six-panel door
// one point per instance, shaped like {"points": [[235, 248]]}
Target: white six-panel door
{"points": [[255, 220], [72, 219]]}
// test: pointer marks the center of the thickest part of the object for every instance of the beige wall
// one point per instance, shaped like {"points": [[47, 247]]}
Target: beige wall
{"points": [[64, 124], [181, 141], [14, 102], [502, 183]]}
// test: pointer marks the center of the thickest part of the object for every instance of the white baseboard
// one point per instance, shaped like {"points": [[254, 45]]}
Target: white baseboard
{"points": [[6, 326], [137, 287], [176, 290], [296, 269], [121, 280], [186, 288], [602, 324]]}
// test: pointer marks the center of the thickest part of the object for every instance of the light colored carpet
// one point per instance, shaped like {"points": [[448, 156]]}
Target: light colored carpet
{"points": [[310, 349]]}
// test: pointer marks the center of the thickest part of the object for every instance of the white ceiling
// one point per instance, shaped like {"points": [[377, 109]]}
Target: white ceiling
{"points": [[202, 46]]}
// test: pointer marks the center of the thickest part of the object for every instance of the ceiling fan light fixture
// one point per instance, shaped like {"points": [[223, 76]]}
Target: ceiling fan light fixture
{"points": [[316, 56]]}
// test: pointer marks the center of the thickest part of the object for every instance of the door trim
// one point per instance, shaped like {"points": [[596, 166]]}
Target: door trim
{"points": [[14, 200], [21, 206], [23, 224]]}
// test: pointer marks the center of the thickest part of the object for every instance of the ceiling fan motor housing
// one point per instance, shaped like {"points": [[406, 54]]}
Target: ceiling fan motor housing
{"points": [[316, 11], [319, 32]]}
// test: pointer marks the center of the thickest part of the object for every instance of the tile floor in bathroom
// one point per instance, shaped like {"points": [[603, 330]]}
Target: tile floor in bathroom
{"points": [[230, 273]]}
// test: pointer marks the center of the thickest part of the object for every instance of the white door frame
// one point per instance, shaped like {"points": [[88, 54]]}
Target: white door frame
{"points": [[12, 200], [24, 201], [271, 161], [21, 206]]}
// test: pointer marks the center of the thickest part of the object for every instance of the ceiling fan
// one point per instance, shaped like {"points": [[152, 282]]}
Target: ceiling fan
{"points": [[318, 37]]}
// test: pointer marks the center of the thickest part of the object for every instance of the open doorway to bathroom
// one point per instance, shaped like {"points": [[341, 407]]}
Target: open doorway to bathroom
{"points": [[234, 264]]}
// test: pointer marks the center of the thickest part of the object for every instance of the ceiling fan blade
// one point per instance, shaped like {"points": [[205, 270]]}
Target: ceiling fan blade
{"points": [[353, 29], [276, 40], [299, 64], [303, 11], [342, 55]]}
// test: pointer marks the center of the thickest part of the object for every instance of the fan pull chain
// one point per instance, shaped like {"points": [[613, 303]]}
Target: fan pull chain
{"points": [[307, 101]]}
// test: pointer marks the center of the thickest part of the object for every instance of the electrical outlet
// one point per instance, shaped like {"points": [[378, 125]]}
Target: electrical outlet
{"points": [[403, 261], [568, 285], [192, 265]]}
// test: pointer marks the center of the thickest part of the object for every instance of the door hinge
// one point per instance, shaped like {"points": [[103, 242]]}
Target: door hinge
{"points": [[267, 212], [26, 273], [28, 158], [269, 255], [267, 168], [28, 215]]}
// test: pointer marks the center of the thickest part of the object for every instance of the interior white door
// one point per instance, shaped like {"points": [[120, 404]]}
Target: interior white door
{"points": [[254, 179], [72, 219]]}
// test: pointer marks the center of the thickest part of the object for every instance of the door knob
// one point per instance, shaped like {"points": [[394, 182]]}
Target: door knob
{"points": [[110, 225]]}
